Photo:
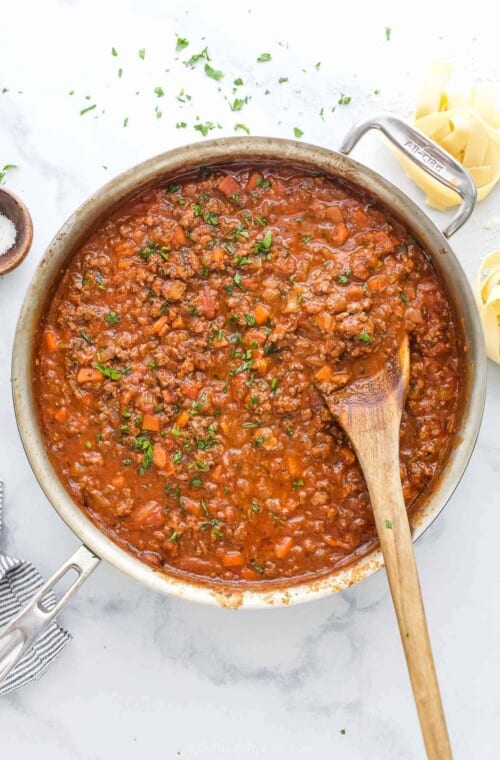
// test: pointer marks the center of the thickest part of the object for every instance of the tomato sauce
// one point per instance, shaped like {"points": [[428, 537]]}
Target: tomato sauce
{"points": [[178, 362]]}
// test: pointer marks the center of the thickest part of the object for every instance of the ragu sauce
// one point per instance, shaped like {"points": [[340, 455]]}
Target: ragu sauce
{"points": [[178, 361]]}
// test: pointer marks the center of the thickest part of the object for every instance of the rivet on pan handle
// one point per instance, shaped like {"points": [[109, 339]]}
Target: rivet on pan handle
{"points": [[427, 155], [20, 633]]}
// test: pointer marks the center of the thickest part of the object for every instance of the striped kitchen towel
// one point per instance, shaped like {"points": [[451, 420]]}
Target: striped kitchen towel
{"points": [[18, 583]]}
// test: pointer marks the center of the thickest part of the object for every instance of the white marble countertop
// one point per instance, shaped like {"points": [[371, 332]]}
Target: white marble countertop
{"points": [[147, 676]]}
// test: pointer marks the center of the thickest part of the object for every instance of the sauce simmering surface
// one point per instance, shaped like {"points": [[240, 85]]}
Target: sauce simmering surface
{"points": [[178, 361]]}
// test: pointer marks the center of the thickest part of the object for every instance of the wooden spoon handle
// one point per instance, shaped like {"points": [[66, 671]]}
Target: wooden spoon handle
{"points": [[380, 463]]}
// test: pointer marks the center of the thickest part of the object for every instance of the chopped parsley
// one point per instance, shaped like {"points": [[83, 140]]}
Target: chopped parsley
{"points": [[388, 524], [263, 246], [404, 298], [282, 80], [387, 33], [257, 567], [264, 57], [175, 536], [238, 82], [211, 218], [152, 247], [255, 507], [112, 318], [274, 384], [297, 484], [297, 132], [111, 372], [142, 53], [159, 92], [365, 337], [114, 51], [143, 444], [87, 338]]}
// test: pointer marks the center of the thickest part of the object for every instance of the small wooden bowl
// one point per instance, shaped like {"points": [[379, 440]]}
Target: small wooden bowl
{"points": [[12, 207]]}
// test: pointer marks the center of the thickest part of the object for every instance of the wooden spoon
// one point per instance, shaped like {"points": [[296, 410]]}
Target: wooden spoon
{"points": [[370, 411]]}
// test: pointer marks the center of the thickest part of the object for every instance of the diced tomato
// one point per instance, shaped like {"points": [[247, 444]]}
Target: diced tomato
{"points": [[151, 423], [208, 304], [253, 181], [229, 186]]}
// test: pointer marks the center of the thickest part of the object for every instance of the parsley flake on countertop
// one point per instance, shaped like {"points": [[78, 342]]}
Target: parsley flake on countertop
{"points": [[197, 57], [86, 110], [213, 73], [241, 128], [344, 100], [181, 43], [142, 53], [297, 132], [264, 57]]}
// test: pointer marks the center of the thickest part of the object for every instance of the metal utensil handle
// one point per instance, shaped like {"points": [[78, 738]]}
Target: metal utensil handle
{"points": [[19, 634], [427, 155]]}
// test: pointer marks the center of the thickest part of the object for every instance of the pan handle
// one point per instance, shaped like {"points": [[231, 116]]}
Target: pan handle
{"points": [[427, 155], [20, 633]]}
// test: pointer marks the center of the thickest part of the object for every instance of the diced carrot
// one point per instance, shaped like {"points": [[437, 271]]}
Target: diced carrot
{"points": [[89, 375], [334, 214], [118, 481], [325, 321], [178, 322], [340, 234], [261, 313], [151, 423], [216, 256], [378, 282], [294, 465], [180, 236], [355, 292], [225, 426], [261, 364], [233, 559], [324, 374], [253, 181], [61, 414], [158, 325], [159, 453], [50, 341], [194, 564], [191, 506], [124, 264], [283, 546], [249, 575], [216, 473], [347, 455], [229, 186], [183, 419]]}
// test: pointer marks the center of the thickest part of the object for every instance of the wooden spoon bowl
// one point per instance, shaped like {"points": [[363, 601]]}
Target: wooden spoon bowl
{"points": [[14, 209]]}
